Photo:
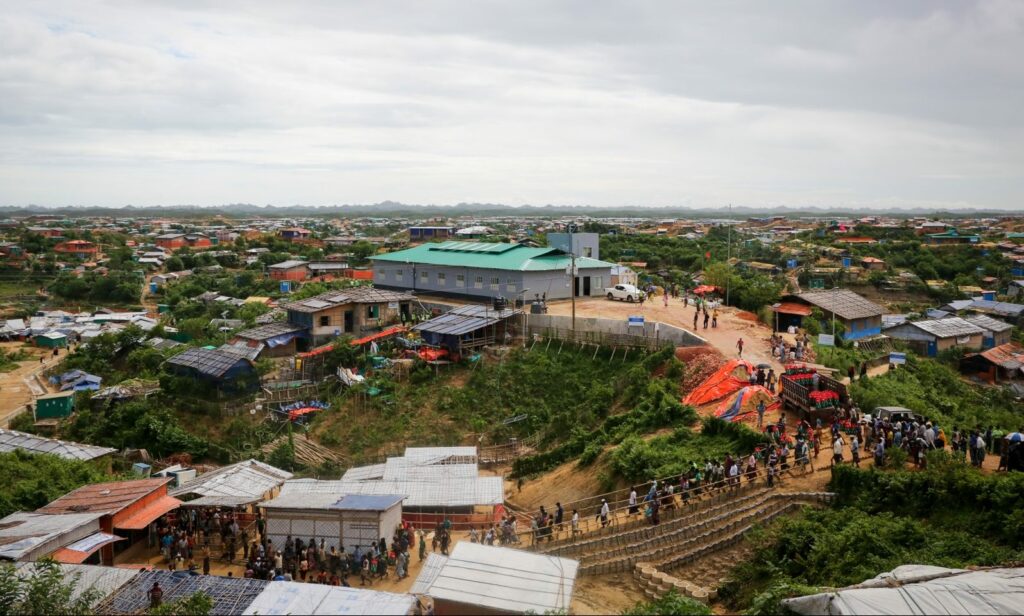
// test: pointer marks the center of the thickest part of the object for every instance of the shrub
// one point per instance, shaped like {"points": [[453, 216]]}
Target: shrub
{"points": [[670, 603]]}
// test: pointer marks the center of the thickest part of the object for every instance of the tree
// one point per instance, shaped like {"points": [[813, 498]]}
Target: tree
{"points": [[29, 481], [175, 264], [44, 590], [361, 250], [717, 274]]}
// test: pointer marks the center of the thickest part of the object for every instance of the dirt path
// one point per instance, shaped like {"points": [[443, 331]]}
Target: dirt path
{"points": [[18, 387], [733, 324]]}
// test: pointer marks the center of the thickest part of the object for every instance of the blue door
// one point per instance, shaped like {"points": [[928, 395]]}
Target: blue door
{"points": [[932, 348]]}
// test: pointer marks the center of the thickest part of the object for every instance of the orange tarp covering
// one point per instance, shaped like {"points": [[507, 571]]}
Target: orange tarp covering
{"points": [[705, 288], [70, 557], [391, 331], [793, 308], [148, 514], [720, 384]]}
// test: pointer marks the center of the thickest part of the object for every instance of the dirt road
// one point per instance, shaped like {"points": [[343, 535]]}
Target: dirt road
{"points": [[18, 387], [733, 324]]}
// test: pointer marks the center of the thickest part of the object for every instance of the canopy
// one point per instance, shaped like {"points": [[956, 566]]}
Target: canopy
{"points": [[79, 551], [705, 288], [720, 384], [802, 310], [149, 514]]}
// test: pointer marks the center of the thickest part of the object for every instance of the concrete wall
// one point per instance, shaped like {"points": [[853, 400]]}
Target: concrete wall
{"points": [[583, 244], [477, 283], [547, 324]]}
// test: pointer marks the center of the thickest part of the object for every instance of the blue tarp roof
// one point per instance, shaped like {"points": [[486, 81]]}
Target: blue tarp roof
{"points": [[368, 502]]}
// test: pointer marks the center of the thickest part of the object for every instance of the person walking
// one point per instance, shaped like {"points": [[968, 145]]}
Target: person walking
{"points": [[695, 315], [739, 346], [706, 318], [863, 370], [761, 408], [605, 510], [837, 449], [714, 318]]}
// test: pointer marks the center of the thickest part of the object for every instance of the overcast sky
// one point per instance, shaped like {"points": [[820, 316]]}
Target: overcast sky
{"points": [[873, 104]]}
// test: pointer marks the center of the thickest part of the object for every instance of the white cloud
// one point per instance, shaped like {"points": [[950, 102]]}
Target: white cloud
{"points": [[594, 103]]}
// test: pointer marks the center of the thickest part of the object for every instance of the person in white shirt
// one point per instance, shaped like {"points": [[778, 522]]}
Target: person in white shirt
{"points": [[605, 510], [575, 522], [633, 509], [837, 449]]}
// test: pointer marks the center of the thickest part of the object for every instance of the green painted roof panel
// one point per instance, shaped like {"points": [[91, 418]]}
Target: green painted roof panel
{"points": [[485, 255]]}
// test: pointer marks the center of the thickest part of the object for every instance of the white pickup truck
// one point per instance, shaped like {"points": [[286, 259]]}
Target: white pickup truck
{"points": [[624, 292]]}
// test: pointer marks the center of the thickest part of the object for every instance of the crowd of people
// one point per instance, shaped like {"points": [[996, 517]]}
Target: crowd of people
{"points": [[189, 540]]}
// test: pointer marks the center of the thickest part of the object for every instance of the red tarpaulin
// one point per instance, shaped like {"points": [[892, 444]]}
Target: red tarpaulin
{"points": [[429, 354], [705, 288], [391, 331], [720, 384]]}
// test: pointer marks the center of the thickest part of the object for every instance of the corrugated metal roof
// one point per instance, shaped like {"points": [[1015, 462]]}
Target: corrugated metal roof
{"points": [[11, 440], [110, 497], [289, 264], [505, 579], [456, 492], [30, 536], [1009, 356], [298, 598], [355, 295], [988, 323], [486, 255], [211, 362], [241, 483], [465, 319], [843, 303], [302, 500], [948, 327], [270, 330], [362, 473]]}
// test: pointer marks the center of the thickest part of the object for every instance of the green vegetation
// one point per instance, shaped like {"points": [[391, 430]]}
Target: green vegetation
{"points": [[9, 359], [949, 515], [937, 392], [636, 459], [114, 288], [45, 590], [145, 423], [670, 603], [29, 481]]}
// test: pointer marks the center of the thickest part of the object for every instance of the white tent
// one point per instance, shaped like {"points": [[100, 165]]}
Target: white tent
{"points": [[921, 589], [497, 579], [297, 598]]}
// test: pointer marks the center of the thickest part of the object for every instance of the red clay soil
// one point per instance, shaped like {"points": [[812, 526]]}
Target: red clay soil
{"points": [[746, 316], [701, 362]]}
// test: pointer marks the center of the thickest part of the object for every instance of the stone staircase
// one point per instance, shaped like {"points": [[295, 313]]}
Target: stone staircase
{"points": [[691, 537]]}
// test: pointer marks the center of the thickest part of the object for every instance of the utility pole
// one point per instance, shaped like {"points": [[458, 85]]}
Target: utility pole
{"points": [[572, 274], [728, 257]]}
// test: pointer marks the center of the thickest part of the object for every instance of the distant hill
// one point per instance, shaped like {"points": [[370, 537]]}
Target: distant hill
{"points": [[396, 209]]}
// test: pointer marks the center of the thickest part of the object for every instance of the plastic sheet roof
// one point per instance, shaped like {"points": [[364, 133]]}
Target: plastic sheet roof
{"points": [[297, 598], [457, 492], [270, 330], [241, 483], [919, 589], [505, 579], [429, 571], [11, 440], [104, 580]]}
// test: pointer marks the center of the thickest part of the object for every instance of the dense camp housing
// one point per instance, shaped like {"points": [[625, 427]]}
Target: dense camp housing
{"points": [[356, 311], [859, 317]]}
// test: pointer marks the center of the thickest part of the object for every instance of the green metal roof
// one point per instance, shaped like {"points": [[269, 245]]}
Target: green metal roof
{"points": [[487, 255], [951, 233]]}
